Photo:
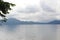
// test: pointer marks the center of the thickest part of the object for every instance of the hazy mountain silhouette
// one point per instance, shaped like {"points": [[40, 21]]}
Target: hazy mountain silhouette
{"points": [[15, 22], [54, 22], [12, 21]]}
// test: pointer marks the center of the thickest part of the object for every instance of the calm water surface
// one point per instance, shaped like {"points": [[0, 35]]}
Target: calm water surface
{"points": [[30, 32]]}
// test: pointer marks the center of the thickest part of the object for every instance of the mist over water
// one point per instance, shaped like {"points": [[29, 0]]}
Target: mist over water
{"points": [[30, 32]]}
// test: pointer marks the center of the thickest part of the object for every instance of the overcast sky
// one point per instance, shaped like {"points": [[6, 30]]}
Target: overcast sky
{"points": [[35, 10]]}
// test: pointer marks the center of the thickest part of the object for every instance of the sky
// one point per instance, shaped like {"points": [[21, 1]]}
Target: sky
{"points": [[35, 10]]}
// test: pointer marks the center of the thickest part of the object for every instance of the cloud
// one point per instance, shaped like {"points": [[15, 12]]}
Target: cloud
{"points": [[47, 8], [43, 12], [29, 9], [34, 14]]}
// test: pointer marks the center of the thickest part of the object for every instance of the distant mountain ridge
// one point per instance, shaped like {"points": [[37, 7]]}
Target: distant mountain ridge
{"points": [[13, 21], [55, 22]]}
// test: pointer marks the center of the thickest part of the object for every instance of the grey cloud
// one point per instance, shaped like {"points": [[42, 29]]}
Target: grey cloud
{"points": [[45, 13], [47, 8], [29, 9]]}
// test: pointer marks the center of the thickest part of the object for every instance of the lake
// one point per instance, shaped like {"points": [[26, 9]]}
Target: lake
{"points": [[30, 32]]}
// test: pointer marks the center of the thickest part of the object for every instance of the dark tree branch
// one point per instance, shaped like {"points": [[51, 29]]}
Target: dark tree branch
{"points": [[4, 7]]}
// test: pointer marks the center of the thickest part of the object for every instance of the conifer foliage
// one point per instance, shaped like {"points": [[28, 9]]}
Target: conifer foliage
{"points": [[4, 7]]}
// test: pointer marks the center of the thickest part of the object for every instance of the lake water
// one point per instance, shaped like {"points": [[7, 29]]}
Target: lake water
{"points": [[30, 32]]}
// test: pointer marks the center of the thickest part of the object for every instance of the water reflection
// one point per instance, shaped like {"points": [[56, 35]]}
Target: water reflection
{"points": [[41, 32], [30, 32]]}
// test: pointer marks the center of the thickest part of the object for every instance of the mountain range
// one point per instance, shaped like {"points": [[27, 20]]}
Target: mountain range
{"points": [[13, 21]]}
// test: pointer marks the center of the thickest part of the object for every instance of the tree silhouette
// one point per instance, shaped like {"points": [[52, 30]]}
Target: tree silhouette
{"points": [[4, 7]]}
